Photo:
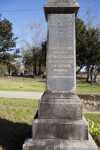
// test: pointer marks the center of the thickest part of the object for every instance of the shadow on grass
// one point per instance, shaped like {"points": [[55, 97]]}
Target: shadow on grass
{"points": [[13, 135], [81, 78]]}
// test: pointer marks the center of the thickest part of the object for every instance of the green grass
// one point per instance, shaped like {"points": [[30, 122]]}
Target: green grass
{"points": [[16, 117], [38, 85], [94, 117], [84, 87], [29, 84]]}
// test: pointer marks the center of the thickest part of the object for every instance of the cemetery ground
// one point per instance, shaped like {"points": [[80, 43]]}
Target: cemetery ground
{"points": [[38, 84], [16, 117], [16, 114]]}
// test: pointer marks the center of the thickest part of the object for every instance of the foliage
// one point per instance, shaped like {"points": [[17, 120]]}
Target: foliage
{"points": [[94, 125], [93, 47], [7, 42], [32, 50], [28, 59], [95, 117], [8, 53], [44, 50], [81, 32], [87, 47], [94, 128], [3, 69], [34, 59]]}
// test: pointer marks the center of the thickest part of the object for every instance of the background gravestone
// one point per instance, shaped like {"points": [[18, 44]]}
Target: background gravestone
{"points": [[60, 124]]}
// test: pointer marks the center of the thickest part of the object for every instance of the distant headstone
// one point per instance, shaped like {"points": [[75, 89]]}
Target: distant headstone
{"points": [[60, 124]]}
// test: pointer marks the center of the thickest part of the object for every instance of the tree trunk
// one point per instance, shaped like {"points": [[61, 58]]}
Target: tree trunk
{"points": [[39, 67], [35, 71], [79, 70], [95, 78], [92, 75], [92, 78], [9, 69], [88, 73]]}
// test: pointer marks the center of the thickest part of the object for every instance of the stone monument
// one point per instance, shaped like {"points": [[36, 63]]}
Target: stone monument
{"points": [[60, 124]]}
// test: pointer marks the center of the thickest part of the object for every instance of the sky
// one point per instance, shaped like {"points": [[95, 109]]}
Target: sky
{"points": [[21, 12]]}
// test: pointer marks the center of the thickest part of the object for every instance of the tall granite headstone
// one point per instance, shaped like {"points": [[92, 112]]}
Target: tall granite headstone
{"points": [[60, 124]]}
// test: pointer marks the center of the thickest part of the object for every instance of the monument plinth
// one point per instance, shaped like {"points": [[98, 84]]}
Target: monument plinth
{"points": [[60, 124]]}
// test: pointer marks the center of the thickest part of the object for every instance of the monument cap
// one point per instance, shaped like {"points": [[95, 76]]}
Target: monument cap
{"points": [[61, 6], [60, 1]]}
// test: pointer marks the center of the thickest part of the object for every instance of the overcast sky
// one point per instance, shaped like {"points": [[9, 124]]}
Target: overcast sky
{"points": [[21, 12]]}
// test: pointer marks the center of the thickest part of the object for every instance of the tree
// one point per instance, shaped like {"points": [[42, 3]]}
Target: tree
{"points": [[35, 57], [42, 56], [44, 51], [32, 49], [87, 47], [7, 43], [93, 51], [81, 38], [28, 60], [3, 69]]}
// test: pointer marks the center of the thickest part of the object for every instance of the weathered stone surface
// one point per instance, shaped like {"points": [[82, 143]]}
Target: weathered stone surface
{"points": [[61, 75], [60, 106], [61, 1], [60, 129], [60, 110], [60, 125], [61, 6], [58, 144]]}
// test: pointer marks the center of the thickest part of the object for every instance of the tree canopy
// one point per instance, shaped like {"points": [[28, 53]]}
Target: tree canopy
{"points": [[8, 53], [81, 38], [87, 47], [87, 50]]}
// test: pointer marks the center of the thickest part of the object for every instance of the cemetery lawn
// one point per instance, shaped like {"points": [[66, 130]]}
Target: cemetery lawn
{"points": [[16, 117], [95, 117], [38, 84], [84, 87], [29, 84]]}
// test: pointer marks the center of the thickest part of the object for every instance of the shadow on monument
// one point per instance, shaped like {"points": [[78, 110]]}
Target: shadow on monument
{"points": [[13, 135]]}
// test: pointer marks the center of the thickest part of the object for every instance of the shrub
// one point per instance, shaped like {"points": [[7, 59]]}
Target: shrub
{"points": [[94, 129]]}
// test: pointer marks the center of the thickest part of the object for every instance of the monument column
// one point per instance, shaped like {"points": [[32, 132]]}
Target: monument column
{"points": [[60, 124], [60, 99]]}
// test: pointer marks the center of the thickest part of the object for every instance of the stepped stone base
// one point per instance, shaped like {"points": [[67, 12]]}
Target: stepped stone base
{"points": [[60, 125], [60, 106], [60, 129], [57, 144]]}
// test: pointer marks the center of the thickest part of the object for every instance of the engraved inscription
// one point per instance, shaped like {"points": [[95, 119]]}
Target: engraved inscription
{"points": [[60, 52], [68, 77], [60, 65], [60, 55], [62, 48], [60, 70], [60, 61], [61, 43]]}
